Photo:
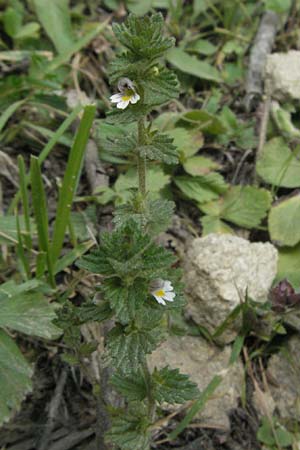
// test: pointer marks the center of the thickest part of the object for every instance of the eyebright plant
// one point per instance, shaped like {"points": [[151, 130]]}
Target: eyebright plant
{"points": [[140, 288]]}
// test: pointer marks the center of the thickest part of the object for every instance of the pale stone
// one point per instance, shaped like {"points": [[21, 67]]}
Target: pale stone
{"points": [[219, 270], [282, 75], [200, 360], [284, 368]]}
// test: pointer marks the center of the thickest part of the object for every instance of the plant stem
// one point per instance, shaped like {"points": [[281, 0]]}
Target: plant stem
{"points": [[141, 162]]}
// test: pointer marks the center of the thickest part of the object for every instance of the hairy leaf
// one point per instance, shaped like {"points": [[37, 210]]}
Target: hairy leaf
{"points": [[160, 86], [169, 385], [128, 346], [15, 377], [284, 221], [28, 312], [143, 37], [155, 216], [132, 386], [130, 431]]}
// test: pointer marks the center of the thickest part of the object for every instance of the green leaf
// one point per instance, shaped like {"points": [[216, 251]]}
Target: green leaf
{"points": [[278, 6], [245, 206], [55, 18], [133, 386], [156, 215], [91, 312], [28, 312], [12, 20], [160, 86], [15, 377], [289, 265], [191, 65], [212, 224], [284, 219], [205, 121], [8, 229], [277, 165], [41, 218], [127, 253], [202, 188], [6, 115], [170, 386], [127, 347], [188, 142], [200, 165], [70, 181], [30, 30], [139, 7], [203, 47], [143, 37], [130, 430], [125, 300]]}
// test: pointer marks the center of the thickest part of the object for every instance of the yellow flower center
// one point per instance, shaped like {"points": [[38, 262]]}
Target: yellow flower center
{"points": [[127, 94], [160, 293]]}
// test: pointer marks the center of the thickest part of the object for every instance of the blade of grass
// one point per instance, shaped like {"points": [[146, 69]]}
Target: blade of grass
{"points": [[41, 216], [8, 113], [47, 149], [71, 180], [25, 201], [197, 406], [68, 259], [20, 249]]}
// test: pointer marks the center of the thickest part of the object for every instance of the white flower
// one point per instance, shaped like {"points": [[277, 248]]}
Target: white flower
{"points": [[126, 95], [162, 291]]}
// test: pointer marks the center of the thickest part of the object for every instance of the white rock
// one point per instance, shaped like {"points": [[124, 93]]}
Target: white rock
{"points": [[200, 360], [282, 75], [219, 270], [284, 368]]}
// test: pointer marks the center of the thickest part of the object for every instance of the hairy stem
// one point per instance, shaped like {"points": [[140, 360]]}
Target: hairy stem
{"points": [[151, 400], [141, 162]]}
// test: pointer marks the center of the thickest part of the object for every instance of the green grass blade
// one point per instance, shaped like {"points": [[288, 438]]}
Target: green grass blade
{"points": [[47, 149], [197, 406], [40, 213], [8, 113], [21, 251], [70, 181], [25, 201]]}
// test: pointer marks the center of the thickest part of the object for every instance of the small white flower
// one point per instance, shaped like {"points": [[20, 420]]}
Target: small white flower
{"points": [[126, 95], [162, 291]]}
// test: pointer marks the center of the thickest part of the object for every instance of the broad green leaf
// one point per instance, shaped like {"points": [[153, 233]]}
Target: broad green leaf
{"points": [[284, 220], [204, 120], [278, 6], [15, 377], [245, 206], [139, 7], [28, 312], [202, 188], [191, 65], [277, 165], [128, 349], [170, 386], [133, 386], [188, 142], [203, 47], [12, 20], [289, 265], [200, 165], [130, 429], [55, 18], [212, 224]]}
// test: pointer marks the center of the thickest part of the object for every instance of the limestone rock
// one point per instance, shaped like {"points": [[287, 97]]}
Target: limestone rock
{"points": [[219, 270], [284, 368], [282, 75], [200, 360]]}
